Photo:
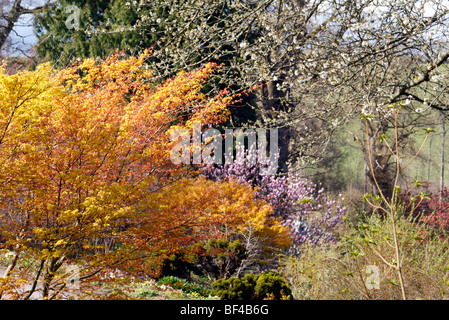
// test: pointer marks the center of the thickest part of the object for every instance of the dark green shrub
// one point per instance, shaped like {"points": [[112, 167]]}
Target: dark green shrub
{"points": [[176, 265], [253, 287], [218, 258], [236, 288], [273, 286], [215, 259]]}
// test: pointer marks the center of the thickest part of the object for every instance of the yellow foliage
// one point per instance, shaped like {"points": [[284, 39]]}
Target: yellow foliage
{"points": [[221, 209], [85, 164]]}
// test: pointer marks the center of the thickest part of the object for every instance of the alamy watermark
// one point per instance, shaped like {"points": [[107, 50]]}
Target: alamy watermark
{"points": [[73, 21], [73, 279], [207, 147]]}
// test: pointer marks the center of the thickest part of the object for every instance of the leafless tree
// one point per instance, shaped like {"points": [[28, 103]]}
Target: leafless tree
{"points": [[317, 63], [11, 13]]}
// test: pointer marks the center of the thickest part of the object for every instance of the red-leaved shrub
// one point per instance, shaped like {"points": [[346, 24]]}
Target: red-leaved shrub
{"points": [[433, 209]]}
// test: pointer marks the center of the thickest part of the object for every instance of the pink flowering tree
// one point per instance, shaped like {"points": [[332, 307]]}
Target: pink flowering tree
{"points": [[302, 205]]}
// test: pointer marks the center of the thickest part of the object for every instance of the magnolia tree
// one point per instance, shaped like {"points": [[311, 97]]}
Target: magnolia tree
{"points": [[317, 63]]}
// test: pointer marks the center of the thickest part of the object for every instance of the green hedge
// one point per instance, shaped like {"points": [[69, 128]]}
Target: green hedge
{"points": [[260, 286]]}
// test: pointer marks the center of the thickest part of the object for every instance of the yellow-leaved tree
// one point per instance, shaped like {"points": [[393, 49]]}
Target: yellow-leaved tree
{"points": [[86, 178]]}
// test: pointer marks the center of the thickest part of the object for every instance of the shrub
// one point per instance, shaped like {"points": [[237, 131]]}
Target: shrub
{"points": [[219, 258], [345, 269], [438, 210], [260, 286], [424, 258], [303, 206], [391, 253], [172, 281], [315, 274], [236, 288], [434, 207], [216, 259], [176, 265], [193, 288]]}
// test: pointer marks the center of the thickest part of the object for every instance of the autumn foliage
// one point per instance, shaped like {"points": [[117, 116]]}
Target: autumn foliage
{"points": [[86, 176], [431, 208]]}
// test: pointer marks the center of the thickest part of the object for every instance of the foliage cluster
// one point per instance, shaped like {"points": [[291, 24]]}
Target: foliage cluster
{"points": [[86, 175], [215, 259], [303, 206], [361, 265], [434, 207], [268, 285], [185, 286]]}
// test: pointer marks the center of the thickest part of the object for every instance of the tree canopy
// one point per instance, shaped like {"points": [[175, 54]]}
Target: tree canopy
{"points": [[86, 173]]}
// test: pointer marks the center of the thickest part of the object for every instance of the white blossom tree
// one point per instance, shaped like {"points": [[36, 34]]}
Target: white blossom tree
{"points": [[316, 63]]}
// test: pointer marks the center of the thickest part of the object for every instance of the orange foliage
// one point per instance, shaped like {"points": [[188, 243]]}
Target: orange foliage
{"points": [[85, 166]]}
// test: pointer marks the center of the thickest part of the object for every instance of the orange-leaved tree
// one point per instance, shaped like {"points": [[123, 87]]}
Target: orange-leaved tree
{"points": [[218, 210], [86, 178]]}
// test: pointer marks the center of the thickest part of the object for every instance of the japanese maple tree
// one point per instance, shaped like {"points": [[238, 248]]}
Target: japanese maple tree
{"points": [[86, 177]]}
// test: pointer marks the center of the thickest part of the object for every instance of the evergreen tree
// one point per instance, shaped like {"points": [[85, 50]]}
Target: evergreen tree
{"points": [[94, 37], [107, 26]]}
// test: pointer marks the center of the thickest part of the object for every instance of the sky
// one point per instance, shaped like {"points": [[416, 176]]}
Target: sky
{"points": [[23, 28]]}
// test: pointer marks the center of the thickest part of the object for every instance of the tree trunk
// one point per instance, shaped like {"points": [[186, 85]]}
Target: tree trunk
{"points": [[430, 159], [14, 14], [379, 166], [53, 267], [12, 265], [443, 138], [270, 101]]}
